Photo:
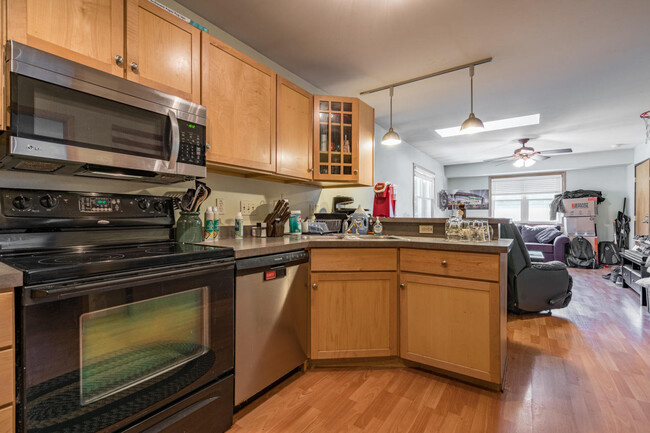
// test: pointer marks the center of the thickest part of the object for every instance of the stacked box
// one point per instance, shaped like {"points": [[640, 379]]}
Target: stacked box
{"points": [[580, 207], [583, 225]]}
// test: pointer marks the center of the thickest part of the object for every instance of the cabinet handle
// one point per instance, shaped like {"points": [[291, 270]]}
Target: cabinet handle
{"points": [[119, 60], [444, 263], [134, 67], [356, 172], [311, 170], [402, 286], [314, 286], [207, 146]]}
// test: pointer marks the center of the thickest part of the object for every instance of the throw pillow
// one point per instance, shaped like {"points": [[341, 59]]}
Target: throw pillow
{"points": [[529, 233], [548, 235]]}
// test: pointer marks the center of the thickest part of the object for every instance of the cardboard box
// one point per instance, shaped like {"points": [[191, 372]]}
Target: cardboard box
{"points": [[584, 226], [574, 207]]}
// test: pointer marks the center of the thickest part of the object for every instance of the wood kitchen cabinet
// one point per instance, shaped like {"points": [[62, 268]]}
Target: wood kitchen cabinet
{"points": [[294, 130], [353, 302], [642, 198], [455, 322], [7, 368], [240, 96], [162, 51], [90, 32], [343, 140], [143, 43]]}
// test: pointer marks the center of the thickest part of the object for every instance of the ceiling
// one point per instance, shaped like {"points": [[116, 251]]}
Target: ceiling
{"points": [[582, 64]]}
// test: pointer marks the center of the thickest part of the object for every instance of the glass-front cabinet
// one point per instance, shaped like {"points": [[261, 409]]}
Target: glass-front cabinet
{"points": [[343, 139]]}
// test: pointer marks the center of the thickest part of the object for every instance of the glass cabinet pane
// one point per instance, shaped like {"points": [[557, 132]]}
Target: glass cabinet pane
{"points": [[323, 169], [336, 158], [347, 159], [336, 138], [336, 169], [324, 156], [324, 137], [347, 106], [323, 117], [347, 169], [336, 117], [347, 119], [336, 106], [324, 105]]}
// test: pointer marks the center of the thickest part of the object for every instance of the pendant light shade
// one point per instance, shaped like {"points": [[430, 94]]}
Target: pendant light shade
{"points": [[472, 124], [523, 162], [391, 138]]}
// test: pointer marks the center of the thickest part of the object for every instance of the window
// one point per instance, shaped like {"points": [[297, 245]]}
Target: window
{"points": [[524, 198], [423, 192]]}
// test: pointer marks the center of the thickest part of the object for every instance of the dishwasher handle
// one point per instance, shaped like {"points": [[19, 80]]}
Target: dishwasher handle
{"points": [[253, 265]]}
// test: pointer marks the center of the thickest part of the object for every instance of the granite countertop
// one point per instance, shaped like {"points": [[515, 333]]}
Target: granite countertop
{"points": [[250, 247], [10, 277]]}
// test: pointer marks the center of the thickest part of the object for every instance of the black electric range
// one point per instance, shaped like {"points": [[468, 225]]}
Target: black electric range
{"points": [[118, 327]]}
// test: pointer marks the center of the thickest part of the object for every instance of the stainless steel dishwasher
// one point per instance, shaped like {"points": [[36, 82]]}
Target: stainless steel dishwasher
{"points": [[271, 306]]}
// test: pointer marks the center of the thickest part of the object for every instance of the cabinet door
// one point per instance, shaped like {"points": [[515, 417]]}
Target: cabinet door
{"points": [[353, 315], [163, 51], [90, 32], [294, 130], [451, 324], [642, 199], [239, 94], [336, 138]]}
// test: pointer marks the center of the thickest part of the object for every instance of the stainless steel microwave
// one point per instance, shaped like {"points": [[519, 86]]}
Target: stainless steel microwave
{"points": [[67, 118]]}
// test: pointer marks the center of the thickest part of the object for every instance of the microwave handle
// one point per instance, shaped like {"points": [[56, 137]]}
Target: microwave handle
{"points": [[176, 140]]}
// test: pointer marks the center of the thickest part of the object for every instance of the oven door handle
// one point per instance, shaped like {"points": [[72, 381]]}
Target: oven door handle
{"points": [[79, 289], [175, 141]]}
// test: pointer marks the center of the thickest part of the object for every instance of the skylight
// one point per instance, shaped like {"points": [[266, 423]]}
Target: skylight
{"points": [[494, 125]]}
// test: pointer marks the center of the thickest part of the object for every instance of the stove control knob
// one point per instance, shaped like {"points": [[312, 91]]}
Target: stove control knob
{"points": [[143, 204], [158, 206], [48, 202], [21, 202]]}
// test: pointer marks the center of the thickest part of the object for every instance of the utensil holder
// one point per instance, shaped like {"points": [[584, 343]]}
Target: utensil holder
{"points": [[189, 228]]}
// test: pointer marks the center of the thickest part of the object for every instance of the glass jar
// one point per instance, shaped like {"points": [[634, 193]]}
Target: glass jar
{"points": [[189, 228]]}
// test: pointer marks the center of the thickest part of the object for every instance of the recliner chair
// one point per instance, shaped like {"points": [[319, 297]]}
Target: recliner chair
{"points": [[534, 287]]}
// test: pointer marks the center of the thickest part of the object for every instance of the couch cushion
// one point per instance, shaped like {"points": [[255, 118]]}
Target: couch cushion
{"points": [[548, 235], [545, 248]]}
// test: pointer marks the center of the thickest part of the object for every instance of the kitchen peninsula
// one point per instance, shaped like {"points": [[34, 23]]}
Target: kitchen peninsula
{"points": [[433, 303]]}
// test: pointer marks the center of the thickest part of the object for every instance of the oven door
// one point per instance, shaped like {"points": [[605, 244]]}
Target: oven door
{"points": [[98, 359]]}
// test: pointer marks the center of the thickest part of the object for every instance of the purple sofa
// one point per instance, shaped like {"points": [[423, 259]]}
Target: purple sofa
{"points": [[553, 251]]}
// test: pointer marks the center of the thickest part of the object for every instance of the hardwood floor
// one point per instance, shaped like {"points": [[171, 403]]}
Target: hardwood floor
{"points": [[582, 369]]}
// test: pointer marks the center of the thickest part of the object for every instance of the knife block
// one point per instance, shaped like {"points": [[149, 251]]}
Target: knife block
{"points": [[275, 229]]}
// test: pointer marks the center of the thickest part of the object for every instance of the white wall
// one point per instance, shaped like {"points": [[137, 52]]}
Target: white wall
{"points": [[610, 180], [393, 164]]}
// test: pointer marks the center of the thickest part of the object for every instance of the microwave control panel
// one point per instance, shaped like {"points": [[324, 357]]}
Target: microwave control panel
{"points": [[192, 145]]}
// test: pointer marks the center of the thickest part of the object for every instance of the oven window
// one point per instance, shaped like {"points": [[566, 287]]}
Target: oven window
{"points": [[47, 112], [126, 345]]}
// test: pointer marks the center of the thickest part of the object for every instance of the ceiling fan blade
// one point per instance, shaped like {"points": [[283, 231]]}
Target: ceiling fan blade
{"points": [[538, 157], [552, 151], [505, 162], [503, 158]]}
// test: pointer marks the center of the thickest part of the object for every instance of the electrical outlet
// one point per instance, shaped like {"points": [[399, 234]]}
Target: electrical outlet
{"points": [[426, 229], [219, 203], [247, 207]]}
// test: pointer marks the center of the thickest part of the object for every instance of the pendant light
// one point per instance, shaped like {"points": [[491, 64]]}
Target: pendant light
{"points": [[472, 124], [391, 138]]}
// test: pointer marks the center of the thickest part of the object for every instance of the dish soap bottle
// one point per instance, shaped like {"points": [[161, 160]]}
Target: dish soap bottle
{"points": [[208, 218], [239, 226], [215, 227], [377, 227], [359, 221]]}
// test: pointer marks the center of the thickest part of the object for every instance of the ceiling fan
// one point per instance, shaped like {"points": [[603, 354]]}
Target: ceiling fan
{"points": [[526, 156]]}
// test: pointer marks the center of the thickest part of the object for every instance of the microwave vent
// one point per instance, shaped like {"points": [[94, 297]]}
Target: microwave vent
{"points": [[40, 166]]}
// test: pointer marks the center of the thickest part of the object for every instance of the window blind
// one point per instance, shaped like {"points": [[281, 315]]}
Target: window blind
{"points": [[550, 184]]}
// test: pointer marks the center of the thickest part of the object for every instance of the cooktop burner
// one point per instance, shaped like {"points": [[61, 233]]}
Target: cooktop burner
{"points": [[56, 265]]}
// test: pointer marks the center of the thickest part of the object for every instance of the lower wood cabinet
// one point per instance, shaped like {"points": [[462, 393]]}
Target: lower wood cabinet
{"points": [[353, 314], [451, 324], [7, 368], [7, 419]]}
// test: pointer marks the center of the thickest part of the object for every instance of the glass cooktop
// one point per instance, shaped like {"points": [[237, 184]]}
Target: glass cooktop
{"points": [[55, 265]]}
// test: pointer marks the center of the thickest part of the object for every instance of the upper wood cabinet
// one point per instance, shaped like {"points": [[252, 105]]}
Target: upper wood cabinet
{"points": [[294, 130], [240, 96], [642, 198], [162, 51], [343, 140], [90, 32], [153, 48]]}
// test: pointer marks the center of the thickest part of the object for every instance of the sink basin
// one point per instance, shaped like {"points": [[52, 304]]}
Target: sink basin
{"points": [[353, 237]]}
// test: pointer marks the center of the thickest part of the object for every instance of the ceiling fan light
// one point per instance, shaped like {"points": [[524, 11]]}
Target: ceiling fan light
{"points": [[391, 138], [472, 125], [518, 163], [529, 162]]}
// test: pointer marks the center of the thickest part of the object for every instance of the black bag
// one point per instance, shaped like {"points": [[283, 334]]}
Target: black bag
{"points": [[581, 254], [608, 253]]}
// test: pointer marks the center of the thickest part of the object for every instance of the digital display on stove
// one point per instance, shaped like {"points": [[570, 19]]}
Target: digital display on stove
{"points": [[101, 201]]}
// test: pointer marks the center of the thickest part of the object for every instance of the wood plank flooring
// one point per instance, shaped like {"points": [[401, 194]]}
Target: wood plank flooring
{"points": [[585, 368]]}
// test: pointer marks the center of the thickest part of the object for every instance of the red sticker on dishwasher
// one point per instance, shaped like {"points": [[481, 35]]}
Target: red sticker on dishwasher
{"points": [[270, 275]]}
